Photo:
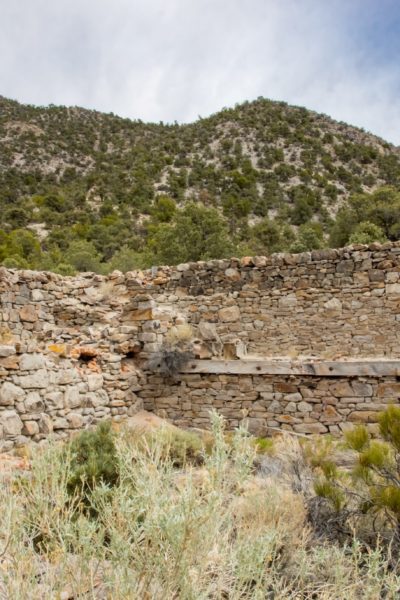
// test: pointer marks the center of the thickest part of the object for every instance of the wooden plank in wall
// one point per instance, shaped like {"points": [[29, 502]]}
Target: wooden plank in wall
{"points": [[370, 368]]}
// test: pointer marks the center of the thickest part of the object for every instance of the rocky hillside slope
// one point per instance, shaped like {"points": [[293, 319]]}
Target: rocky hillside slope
{"points": [[264, 176]]}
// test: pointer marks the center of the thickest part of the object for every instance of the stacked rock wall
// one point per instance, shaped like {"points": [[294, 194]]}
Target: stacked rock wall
{"points": [[65, 355], [72, 349], [330, 303], [304, 404]]}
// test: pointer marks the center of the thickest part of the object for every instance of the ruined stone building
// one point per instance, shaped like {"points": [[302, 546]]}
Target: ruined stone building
{"points": [[307, 342]]}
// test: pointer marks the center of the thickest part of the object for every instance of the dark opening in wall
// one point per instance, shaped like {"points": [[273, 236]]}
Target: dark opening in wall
{"points": [[85, 354], [85, 358]]}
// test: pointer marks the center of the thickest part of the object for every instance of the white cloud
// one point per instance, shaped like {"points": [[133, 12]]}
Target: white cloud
{"points": [[175, 59]]}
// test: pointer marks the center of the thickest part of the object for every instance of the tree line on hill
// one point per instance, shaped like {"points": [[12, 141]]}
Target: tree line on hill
{"points": [[172, 235], [85, 191]]}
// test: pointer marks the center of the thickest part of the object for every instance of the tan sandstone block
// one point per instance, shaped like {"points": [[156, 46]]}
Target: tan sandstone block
{"points": [[363, 416], [28, 313], [11, 362], [388, 390], [229, 314], [310, 428], [30, 428]]}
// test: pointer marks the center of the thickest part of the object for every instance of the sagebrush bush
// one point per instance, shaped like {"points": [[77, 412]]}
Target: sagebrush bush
{"points": [[180, 448], [162, 532]]}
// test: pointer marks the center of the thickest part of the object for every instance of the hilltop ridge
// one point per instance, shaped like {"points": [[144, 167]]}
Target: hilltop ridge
{"points": [[95, 191]]}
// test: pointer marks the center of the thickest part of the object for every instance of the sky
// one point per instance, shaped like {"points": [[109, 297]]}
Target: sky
{"points": [[176, 60]]}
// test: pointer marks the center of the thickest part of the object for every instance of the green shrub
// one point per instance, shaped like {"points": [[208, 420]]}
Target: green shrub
{"points": [[310, 237], [371, 490], [218, 532], [264, 445], [126, 259], [366, 233], [15, 262], [93, 460], [82, 255]]}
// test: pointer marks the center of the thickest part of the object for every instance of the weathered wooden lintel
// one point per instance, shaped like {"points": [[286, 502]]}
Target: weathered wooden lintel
{"points": [[366, 367]]}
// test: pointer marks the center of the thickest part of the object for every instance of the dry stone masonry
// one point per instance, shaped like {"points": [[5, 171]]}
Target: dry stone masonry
{"points": [[305, 404], [271, 335]]}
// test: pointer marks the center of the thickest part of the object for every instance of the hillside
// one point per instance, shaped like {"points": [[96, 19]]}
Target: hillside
{"points": [[85, 190]]}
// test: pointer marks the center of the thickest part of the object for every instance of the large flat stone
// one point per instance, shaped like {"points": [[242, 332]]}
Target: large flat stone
{"points": [[28, 313], [72, 398], [229, 314], [363, 416], [10, 393], [37, 380], [31, 362], [11, 423], [6, 350], [393, 288], [10, 362], [95, 381], [310, 428], [33, 402]]}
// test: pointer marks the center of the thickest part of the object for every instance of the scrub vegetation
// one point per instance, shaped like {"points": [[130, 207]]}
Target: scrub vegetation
{"points": [[86, 191], [166, 514]]}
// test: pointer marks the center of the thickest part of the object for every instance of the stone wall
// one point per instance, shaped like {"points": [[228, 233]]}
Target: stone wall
{"points": [[42, 395], [329, 303], [66, 355], [72, 349], [303, 403]]}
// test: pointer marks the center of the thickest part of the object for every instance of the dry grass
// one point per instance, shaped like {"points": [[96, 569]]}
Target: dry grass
{"points": [[179, 334], [221, 532]]}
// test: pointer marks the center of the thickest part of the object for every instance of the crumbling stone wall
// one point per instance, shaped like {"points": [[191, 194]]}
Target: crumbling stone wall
{"points": [[40, 396], [66, 355], [72, 349]]}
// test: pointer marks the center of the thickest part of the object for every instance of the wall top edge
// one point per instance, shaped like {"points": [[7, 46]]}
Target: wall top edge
{"points": [[156, 274]]}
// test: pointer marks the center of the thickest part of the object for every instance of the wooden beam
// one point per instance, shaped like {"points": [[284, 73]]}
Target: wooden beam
{"points": [[362, 367]]}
